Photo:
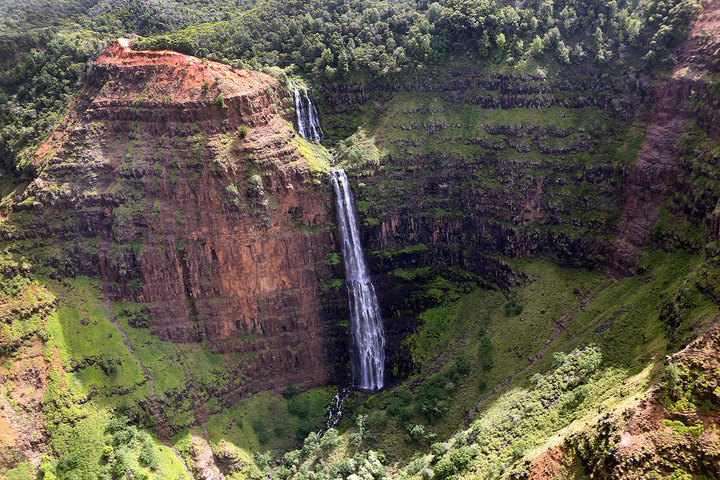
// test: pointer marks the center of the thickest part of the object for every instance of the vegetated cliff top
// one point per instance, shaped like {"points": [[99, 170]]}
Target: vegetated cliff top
{"points": [[170, 77]]}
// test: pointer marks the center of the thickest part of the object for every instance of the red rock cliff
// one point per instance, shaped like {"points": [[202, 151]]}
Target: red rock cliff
{"points": [[152, 183]]}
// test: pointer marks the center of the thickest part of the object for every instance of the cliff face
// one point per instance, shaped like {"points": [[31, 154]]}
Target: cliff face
{"points": [[180, 183], [475, 165], [668, 169]]}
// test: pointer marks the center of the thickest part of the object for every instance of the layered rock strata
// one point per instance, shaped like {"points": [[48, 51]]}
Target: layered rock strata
{"points": [[180, 183]]}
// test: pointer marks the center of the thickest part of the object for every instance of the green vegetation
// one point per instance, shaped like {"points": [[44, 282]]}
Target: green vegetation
{"points": [[564, 309], [45, 49], [489, 371], [389, 37], [358, 150], [317, 156]]}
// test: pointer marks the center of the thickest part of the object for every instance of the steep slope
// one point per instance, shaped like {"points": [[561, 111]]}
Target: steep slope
{"points": [[670, 432]]}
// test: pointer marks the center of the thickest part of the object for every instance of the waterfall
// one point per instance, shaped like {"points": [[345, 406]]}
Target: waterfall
{"points": [[334, 410], [308, 123], [368, 352]]}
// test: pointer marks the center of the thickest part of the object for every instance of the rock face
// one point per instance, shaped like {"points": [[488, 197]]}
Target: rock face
{"points": [[179, 182], [475, 165], [684, 99]]}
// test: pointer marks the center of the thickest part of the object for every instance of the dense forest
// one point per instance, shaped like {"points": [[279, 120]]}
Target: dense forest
{"points": [[47, 47]]}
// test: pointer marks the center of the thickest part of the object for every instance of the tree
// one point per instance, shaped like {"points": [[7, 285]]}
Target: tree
{"points": [[500, 41], [444, 468], [434, 12], [553, 37], [563, 53], [598, 37], [343, 63], [601, 57], [537, 47], [327, 57], [371, 16], [329, 440]]}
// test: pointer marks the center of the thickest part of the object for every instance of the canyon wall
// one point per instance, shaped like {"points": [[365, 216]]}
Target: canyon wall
{"points": [[671, 195], [478, 165], [181, 184]]}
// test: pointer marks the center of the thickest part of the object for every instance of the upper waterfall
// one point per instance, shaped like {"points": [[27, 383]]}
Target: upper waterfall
{"points": [[368, 352], [308, 124]]}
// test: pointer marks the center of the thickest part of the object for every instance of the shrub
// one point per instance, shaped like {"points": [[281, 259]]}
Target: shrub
{"points": [[290, 391], [438, 448], [122, 437], [147, 456], [311, 443], [299, 409], [444, 468], [292, 458], [117, 424], [220, 100], [356, 438], [431, 398], [119, 466], [329, 440], [405, 414], [404, 396], [461, 458], [671, 378], [417, 432], [462, 366], [107, 452], [262, 460], [67, 463], [518, 450], [415, 466], [242, 131], [513, 308], [342, 468], [283, 473]]}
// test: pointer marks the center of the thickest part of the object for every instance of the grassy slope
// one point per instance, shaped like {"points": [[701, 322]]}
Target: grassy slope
{"points": [[95, 380], [621, 318]]}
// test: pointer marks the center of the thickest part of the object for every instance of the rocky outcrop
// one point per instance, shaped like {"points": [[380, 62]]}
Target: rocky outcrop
{"points": [[671, 429], [179, 182]]}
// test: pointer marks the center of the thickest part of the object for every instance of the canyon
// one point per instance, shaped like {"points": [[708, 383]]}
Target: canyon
{"points": [[183, 260]]}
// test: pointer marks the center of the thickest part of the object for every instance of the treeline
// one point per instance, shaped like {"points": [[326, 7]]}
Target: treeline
{"points": [[45, 45], [330, 39]]}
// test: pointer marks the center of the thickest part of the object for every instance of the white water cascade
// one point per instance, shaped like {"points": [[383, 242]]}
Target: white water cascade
{"points": [[368, 353], [307, 118]]}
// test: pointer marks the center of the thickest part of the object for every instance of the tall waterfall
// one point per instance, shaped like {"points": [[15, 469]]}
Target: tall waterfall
{"points": [[307, 117], [368, 352]]}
